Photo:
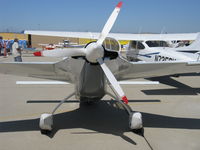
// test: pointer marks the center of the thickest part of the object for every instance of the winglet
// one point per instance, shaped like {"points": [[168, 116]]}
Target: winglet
{"points": [[119, 5], [125, 99], [37, 53]]}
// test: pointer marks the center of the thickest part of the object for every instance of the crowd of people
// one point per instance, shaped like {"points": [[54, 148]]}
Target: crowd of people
{"points": [[12, 47]]}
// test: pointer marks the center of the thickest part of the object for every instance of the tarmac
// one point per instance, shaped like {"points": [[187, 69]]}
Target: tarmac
{"points": [[171, 116]]}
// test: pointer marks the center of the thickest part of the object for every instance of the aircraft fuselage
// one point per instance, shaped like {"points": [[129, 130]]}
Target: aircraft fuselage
{"points": [[91, 84]]}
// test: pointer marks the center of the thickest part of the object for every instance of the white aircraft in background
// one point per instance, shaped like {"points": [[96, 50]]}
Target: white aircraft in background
{"points": [[68, 44], [152, 51], [64, 44], [48, 46], [94, 67]]}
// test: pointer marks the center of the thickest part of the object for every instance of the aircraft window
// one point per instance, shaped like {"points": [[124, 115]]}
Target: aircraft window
{"points": [[136, 45], [157, 44], [111, 44]]}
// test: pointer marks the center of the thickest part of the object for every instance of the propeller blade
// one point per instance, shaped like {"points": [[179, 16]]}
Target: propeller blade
{"points": [[114, 84], [65, 52], [109, 24]]}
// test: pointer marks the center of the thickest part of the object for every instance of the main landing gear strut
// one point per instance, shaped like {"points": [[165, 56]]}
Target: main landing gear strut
{"points": [[46, 119], [135, 118]]}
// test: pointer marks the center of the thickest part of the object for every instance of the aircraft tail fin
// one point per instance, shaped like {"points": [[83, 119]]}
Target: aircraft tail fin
{"points": [[196, 44], [193, 48]]}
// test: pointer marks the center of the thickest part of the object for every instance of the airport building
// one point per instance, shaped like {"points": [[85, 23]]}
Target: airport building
{"points": [[35, 40], [11, 36]]}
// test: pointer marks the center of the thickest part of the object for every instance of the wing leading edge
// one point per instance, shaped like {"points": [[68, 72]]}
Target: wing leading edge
{"points": [[61, 71], [118, 36], [125, 70]]}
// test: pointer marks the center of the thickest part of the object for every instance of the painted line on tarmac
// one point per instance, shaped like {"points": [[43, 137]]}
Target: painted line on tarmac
{"points": [[41, 82], [65, 83]]}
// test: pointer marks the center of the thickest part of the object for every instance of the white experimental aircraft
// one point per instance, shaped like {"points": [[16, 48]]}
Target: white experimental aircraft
{"points": [[94, 67]]}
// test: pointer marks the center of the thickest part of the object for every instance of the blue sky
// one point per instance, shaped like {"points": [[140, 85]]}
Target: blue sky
{"points": [[172, 16]]}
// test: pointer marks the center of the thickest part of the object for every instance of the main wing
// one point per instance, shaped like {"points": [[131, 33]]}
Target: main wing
{"points": [[66, 70], [124, 70], [117, 36], [87, 35]]}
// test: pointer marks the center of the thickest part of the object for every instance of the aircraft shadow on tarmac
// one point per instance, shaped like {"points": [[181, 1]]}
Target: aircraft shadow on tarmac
{"points": [[180, 88], [100, 118]]}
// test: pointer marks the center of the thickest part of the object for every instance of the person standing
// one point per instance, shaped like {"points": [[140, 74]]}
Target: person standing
{"points": [[1, 44], [8, 47], [16, 51]]}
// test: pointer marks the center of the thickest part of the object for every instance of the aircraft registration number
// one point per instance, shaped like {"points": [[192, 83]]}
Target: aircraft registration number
{"points": [[163, 58]]}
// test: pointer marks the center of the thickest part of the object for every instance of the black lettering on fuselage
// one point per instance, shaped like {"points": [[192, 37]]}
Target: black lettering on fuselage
{"points": [[163, 58]]}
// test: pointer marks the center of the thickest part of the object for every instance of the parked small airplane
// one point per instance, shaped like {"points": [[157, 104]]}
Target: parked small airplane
{"points": [[48, 46], [89, 67], [151, 51], [64, 44], [160, 51]]}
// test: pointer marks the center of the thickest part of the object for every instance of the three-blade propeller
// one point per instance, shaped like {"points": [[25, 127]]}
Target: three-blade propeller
{"points": [[94, 53]]}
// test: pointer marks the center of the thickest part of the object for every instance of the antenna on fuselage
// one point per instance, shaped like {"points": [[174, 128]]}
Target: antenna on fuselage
{"points": [[139, 34], [161, 33]]}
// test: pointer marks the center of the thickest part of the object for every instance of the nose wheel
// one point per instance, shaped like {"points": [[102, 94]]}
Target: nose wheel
{"points": [[46, 123], [135, 121]]}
